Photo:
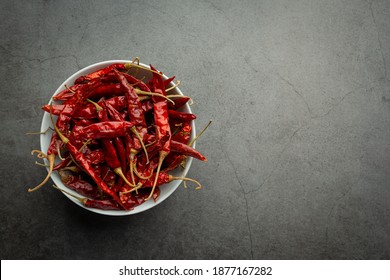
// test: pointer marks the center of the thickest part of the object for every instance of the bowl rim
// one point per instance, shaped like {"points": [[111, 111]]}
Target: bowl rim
{"points": [[169, 188]]}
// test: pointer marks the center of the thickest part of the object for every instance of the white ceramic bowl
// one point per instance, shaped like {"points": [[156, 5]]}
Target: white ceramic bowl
{"points": [[166, 189]]}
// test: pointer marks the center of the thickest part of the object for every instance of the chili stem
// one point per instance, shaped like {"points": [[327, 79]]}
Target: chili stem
{"points": [[162, 157], [80, 199], [59, 151], [119, 171], [41, 164], [134, 130], [97, 106], [35, 133], [200, 133], [130, 65], [174, 86], [140, 176], [50, 158], [138, 91], [185, 179]]}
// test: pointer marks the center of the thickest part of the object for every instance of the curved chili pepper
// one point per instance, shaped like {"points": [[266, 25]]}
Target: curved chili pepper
{"points": [[186, 150]]}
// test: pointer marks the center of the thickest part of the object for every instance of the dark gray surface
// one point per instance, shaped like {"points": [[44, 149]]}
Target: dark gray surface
{"points": [[299, 151]]}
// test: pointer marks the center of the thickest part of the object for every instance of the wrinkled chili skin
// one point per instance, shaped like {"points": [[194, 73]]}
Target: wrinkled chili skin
{"points": [[52, 149], [109, 129], [172, 161], [133, 200], [134, 110], [95, 156], [183, 135], [66, 93], [100, 73], [111, 77], [88, 168], [153, 117], [80, 186], [163, 178], [108, 204], [128, 140], [88, 111], [160, 112]]}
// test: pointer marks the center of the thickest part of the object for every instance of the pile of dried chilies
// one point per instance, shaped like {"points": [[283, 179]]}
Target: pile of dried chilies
{"points": [[118, 137]]}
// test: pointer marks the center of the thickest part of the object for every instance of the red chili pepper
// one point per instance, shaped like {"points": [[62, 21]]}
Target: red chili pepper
{"points": [[110, 153], [183, 133], [168, 81], [105, 204], [172, 161], [99, 73], [107, 90], [111, 77], [83, 122], [63, 163], [163, 130], [130, 200], [108, 204], [78, 185], [88, 111], [102, 130], [95, 156], [181, 116], [134, 109], [179, 102], [186, 150], [67, 92], [85, 164]]}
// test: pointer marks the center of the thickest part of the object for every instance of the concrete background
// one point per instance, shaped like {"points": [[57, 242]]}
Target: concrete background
{"points": [[299, 151]]}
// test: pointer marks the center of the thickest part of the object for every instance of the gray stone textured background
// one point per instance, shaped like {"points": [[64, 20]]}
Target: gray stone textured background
{"points": [[299, 151]]}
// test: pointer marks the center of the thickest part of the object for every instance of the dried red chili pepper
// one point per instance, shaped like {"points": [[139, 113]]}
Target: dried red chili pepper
{"points": [[88, 111], [186, 150], [179, 102], [181, 116], [136, 115], [110, 153], [163, 130], [99, 73], [79, 185], [85, 164], [102, 130], [182, 133]]}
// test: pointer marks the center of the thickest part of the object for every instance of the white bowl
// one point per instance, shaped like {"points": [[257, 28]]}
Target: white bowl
{"points": [[166, 189]]}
